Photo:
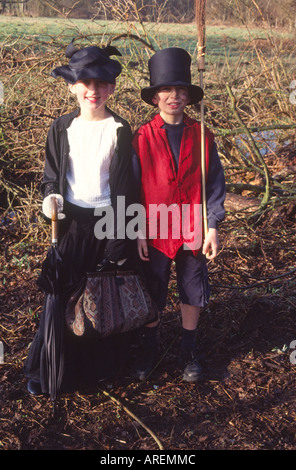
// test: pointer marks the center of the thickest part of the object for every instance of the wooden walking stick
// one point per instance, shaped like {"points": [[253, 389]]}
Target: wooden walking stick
{"points": [[201, 51], [54, 223]]}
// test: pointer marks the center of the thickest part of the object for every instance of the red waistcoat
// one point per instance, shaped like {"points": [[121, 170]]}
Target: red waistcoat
{"points": [[172, 198]]}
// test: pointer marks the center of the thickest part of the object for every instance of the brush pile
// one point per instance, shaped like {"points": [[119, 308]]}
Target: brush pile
{"points": [[246, 334]]}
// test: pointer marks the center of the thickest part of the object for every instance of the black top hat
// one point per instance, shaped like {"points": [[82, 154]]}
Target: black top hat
{"points": [[90, 62], [170, 67]]}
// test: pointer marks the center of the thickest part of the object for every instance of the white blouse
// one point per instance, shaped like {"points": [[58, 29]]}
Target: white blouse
{"points": [[92, 145]]}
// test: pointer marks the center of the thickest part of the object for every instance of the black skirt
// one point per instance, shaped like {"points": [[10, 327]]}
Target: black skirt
{"points": [[86, 359]]}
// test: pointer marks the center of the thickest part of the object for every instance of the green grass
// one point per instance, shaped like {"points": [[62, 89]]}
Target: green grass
{"points": [[223, 42]]}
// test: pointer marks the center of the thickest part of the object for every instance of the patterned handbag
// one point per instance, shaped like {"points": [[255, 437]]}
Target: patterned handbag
{"points": [[110, 303]]}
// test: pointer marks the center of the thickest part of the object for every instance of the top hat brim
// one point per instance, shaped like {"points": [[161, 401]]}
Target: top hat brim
{"points": [[195, 92]]}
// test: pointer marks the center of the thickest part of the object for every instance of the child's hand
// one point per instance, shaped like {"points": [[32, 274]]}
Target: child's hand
{"points": [[211, 244], [47, 206], [143, 249]]}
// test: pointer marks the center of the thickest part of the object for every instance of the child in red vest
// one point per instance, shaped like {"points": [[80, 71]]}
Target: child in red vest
{"points": [[167, 169]]}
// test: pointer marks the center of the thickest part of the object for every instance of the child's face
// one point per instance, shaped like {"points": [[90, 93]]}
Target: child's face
{"points": [[92, 94], [171, 102]]}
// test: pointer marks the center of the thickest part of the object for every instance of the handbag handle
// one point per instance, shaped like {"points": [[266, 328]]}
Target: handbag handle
{"points": [[54, 222]]}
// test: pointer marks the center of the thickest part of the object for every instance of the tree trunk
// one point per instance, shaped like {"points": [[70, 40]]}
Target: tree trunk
{"points": [[235, 203]]}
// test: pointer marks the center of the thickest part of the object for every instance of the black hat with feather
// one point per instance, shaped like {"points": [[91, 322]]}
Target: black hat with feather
{"points": [[89, 62]]}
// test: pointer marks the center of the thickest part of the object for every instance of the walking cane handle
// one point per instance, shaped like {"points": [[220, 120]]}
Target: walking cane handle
{"points": [[54, 222]]}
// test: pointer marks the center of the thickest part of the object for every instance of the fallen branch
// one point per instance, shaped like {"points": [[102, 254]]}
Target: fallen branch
{"points": [[257, 284], [236, 202], [255, 148], [130, 413], [241, 130], [253, 187], [132, 36]]}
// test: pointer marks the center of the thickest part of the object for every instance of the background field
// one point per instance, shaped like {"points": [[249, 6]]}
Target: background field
{"points": [[247, 400], [222, 41]]}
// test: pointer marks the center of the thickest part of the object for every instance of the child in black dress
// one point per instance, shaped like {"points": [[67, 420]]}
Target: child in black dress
{"points": [[87, 166]]}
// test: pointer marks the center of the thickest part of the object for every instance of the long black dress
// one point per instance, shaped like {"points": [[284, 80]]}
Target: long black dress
{"points": [[87, 359]]}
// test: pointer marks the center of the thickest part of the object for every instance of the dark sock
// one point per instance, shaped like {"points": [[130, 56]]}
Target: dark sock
{"points": [[188, 339]]}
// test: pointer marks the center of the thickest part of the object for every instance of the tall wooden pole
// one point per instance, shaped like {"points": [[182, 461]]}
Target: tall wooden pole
{"points": [[200, 6]]}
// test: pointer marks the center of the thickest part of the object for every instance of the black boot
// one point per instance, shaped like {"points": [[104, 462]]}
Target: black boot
{"points": [[147, 355], [34, 388], [192, 370]]}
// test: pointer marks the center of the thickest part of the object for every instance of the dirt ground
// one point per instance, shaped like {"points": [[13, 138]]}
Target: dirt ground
{"points": [[247, 398]]}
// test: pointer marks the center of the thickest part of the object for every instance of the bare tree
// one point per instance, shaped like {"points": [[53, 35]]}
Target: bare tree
{"points": [[8, 6]]}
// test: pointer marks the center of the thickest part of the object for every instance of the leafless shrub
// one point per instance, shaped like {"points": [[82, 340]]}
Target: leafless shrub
{"points": [[259, 86]]}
